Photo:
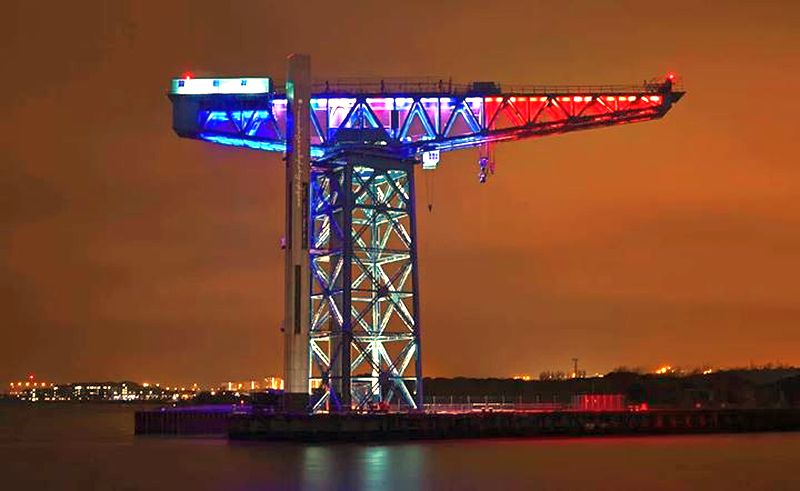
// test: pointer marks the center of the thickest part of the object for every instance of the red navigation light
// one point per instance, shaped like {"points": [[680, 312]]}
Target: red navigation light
{"points": [[187, 75], [670, 76]]}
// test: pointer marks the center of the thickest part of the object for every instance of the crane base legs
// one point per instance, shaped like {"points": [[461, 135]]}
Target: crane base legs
{"points": [[364, 336]]}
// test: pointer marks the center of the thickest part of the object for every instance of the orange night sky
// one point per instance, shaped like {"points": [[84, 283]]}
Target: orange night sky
{"points": [[127, 252]]}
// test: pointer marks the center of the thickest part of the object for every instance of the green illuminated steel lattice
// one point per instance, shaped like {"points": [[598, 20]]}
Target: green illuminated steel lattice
{"points": [[364, 334]]}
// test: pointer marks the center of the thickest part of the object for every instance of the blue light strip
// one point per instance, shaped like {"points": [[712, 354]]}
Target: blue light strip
{"points": [[264, 146]]}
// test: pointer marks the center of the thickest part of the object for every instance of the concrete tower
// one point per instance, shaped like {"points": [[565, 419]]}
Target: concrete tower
{"points": [[298, 161]]}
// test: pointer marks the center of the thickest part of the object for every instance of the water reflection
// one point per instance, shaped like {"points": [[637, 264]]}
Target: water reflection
{"points": [[363, 466], [92, 447]]}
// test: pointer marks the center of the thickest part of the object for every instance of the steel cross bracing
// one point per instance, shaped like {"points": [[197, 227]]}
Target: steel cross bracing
{"points": [[364, 334], [410, 123]]}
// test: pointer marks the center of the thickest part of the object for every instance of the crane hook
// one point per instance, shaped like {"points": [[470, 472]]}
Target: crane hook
{"points": [[485, 163]]}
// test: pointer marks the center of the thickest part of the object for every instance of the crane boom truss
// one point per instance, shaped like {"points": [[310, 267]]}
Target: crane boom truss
{"points": [[408, 124]]}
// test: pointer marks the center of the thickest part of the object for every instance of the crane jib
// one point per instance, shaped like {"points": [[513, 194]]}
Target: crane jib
{"points": [[410, 124]]}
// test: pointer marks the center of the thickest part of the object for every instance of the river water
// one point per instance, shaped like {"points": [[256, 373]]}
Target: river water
{"points": [[92, 446]]}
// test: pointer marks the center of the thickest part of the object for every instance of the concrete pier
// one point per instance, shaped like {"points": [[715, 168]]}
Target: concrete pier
{"points": [[184, 421], [435, 426], [415, 426]]}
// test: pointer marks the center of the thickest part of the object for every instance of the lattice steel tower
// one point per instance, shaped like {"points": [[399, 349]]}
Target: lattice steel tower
{"points": [[352, 323]]}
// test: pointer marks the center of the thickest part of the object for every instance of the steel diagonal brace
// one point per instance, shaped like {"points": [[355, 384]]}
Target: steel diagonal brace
{"points": [[364, 354], [398, 378], [324, 396], [400, 230], [321, 358], [402, 312], [358, 236], [320, 275], [399, 190], [364, 186], [395, 286], [335, 310], [386, 317], [359, 346], [321, 314], [359, 316], [407, 352], [385, 197], [373, 280], [393, 188], [363, 400]]}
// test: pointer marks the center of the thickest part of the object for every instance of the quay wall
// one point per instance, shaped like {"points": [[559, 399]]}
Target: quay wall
{"points": [[187, 422], [411, 426], [479, 424]]}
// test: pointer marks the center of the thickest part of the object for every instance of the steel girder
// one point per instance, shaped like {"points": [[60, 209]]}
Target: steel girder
{"points": [[364, 336]]}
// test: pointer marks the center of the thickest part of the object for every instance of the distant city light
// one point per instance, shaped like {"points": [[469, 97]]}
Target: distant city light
{"points": [[127, 391]]}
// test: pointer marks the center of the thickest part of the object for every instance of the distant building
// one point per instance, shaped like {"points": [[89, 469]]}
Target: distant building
{"points": [[32, 390], [125, 391], [16, 388], [114, 391], [268, 383]]}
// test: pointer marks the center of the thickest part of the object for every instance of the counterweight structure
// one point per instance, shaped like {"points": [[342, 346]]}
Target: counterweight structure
{"points": [[363, 342]]}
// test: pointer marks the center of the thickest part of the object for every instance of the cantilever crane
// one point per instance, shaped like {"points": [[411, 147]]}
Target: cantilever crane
{"points": [[352, 325]]}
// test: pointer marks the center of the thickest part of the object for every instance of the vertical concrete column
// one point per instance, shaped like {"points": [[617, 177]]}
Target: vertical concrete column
{"points": [[298, 162]]}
